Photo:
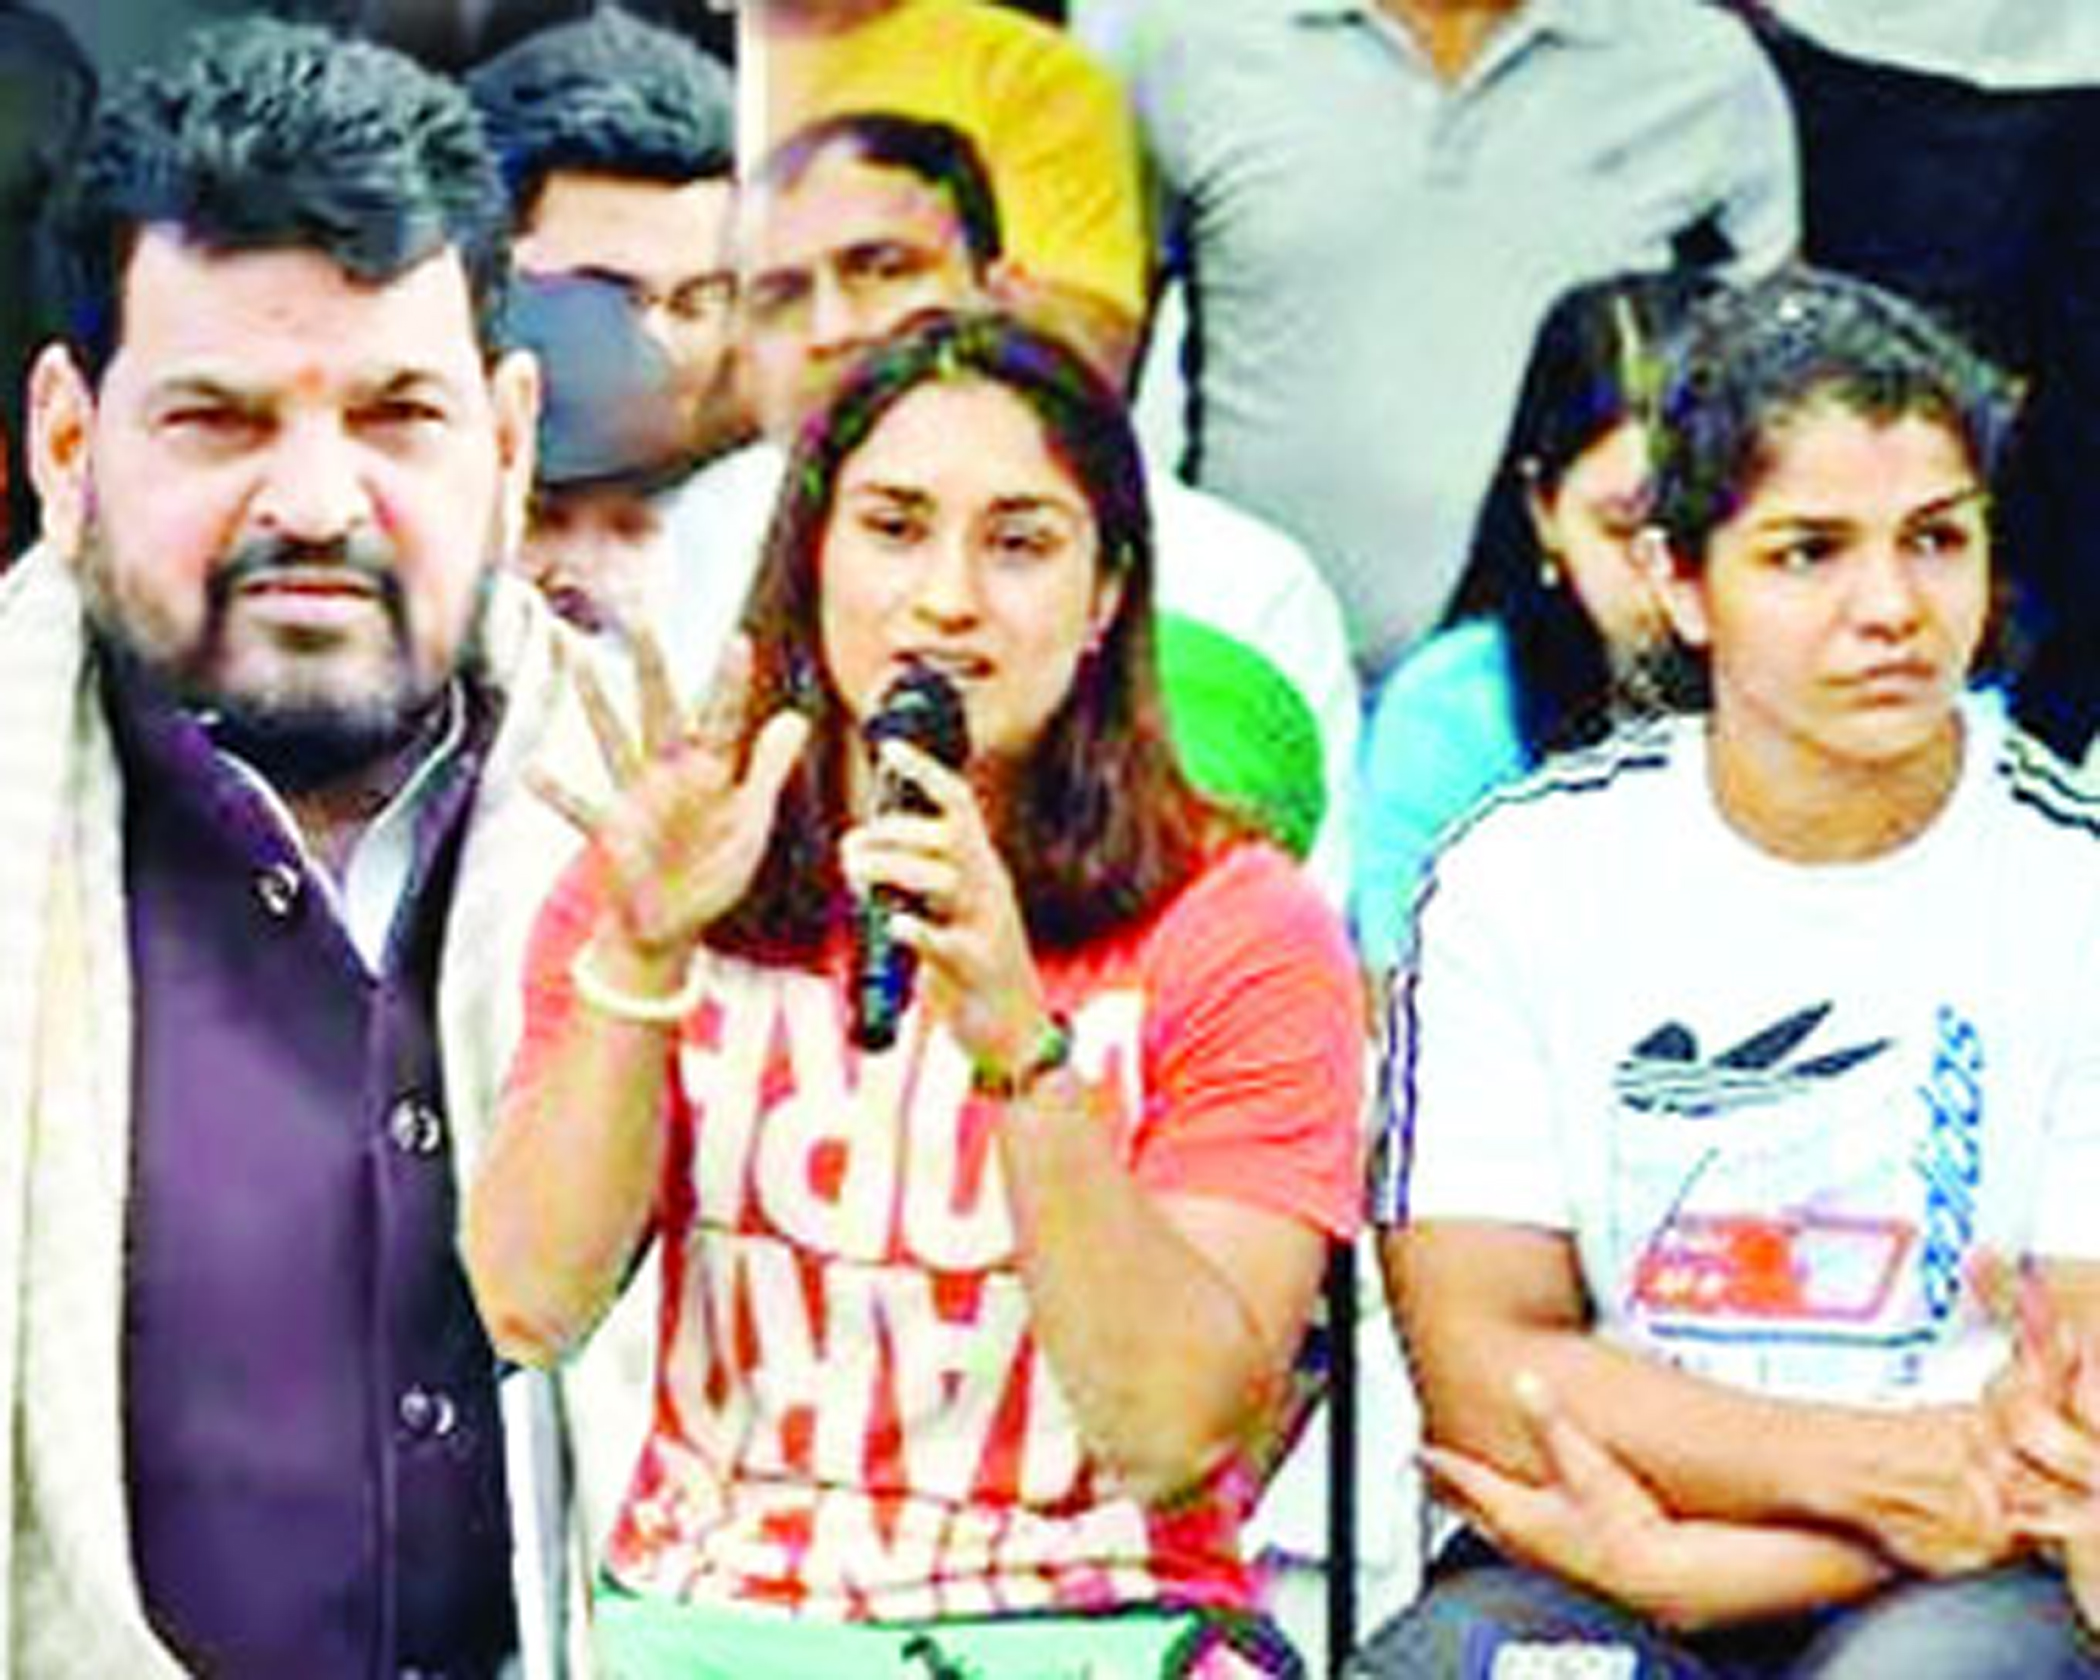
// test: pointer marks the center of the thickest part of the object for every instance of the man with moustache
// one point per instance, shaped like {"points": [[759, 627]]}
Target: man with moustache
{"points": [[268, 703], [1051, 124]]}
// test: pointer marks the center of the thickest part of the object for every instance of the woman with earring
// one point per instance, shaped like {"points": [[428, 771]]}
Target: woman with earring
{"points": [[971, 1347], [1552, 634], [1732, 1048]]}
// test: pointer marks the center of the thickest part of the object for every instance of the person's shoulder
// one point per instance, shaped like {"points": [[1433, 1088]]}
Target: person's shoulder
{"points": [[1122, 29], [1632, 759], [1449, 699], [1693, 37], [1540, 847], [517, 633], [1187, 514], [2036, 834], [744, 477], [37, 580], [1471, 651], [523, 660], [1219, 562], [725, 505], [1251, 895], [1569, 797], [43, 628], [1178, 37], [42, 624], [1010, 35], [2062, 797]]}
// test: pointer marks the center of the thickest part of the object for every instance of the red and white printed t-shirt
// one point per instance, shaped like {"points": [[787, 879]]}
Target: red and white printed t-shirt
{"points": [[853, 1418]]}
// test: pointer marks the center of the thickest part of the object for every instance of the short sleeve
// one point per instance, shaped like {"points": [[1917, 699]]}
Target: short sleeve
{"points": [[1466, 1093], [1255, 1047], [1067, 168]]}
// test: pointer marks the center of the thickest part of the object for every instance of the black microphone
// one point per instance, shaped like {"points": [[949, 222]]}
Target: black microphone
{"points": [[922, 707]]}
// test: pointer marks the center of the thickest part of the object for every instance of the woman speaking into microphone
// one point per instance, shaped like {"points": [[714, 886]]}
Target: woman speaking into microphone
{"points": [[971, 1347]]}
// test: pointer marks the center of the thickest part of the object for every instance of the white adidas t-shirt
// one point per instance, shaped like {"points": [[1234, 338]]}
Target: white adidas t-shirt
{"points": [[1778, 1106]]}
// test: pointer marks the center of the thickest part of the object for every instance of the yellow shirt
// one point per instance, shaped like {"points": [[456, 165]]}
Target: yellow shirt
{"points": [[1052, 125]]}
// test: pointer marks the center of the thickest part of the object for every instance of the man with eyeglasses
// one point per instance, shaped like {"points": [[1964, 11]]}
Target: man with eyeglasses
{"points": [[617, 144], [616, 141]]}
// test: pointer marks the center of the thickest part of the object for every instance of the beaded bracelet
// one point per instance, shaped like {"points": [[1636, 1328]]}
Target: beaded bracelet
{"points": [[602, 995]]}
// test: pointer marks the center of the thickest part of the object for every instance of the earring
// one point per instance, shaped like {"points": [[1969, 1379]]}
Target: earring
{"points": [[1549, 569]]}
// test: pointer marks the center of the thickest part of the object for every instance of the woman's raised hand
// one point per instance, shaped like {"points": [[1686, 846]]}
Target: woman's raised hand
{"points": [[967, 925], [689, 815]]}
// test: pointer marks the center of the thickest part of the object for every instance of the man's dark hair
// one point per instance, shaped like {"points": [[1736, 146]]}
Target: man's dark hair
{"points": [[258, 135], [607, 94], [937, 153]]}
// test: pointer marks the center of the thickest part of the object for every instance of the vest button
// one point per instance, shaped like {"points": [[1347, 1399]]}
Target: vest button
{"points": [[415, 1127], [427, 1415], [277, 889]]}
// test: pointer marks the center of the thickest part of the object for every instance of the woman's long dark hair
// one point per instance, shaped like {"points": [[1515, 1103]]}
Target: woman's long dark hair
{"points": [[1597, 363], [1100, 827]]}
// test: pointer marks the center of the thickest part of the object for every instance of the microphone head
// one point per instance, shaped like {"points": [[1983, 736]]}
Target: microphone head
{"points": [[922, 706]]}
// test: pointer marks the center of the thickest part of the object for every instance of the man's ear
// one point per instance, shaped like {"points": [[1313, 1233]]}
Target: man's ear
{"points": [[1681, 590], [61, 416], [514, 393]]}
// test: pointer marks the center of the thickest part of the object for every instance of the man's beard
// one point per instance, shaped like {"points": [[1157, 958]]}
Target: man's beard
{"points": [[303, 747], [297, 735]]}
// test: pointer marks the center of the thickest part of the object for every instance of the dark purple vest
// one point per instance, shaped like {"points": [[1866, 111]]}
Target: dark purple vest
{"points": [[315, 1469]]}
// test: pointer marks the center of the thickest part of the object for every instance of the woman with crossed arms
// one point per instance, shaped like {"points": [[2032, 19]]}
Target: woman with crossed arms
{"points": [[1732, 1048]]}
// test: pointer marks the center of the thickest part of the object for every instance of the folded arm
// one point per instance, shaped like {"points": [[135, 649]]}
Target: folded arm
{"points": [[1831, 1493], [1594, 1522]]}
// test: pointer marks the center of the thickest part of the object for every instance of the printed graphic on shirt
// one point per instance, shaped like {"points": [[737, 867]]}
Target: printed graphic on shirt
{"points": [[856, 1417], [1665, 1074], [1795, 1209]]}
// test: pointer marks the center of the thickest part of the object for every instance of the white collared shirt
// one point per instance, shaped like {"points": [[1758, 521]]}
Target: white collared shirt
{"points": [[382, 859]]}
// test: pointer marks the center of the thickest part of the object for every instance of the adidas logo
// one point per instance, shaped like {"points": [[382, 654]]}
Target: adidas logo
{"points": [[1665, 1073]]}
